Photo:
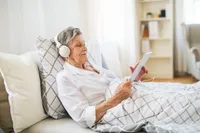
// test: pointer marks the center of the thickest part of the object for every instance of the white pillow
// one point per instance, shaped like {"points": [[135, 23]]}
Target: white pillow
{"points": [[21, 78]]}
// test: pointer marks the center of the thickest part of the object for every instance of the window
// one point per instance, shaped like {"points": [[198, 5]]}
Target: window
{"points": [[192, 11]]}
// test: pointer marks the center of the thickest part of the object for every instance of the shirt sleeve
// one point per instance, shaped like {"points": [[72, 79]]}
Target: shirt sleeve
{"points": [[75, 102]]}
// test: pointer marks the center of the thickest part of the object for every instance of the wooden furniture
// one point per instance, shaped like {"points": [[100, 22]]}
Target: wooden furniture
{"points": [[161, 40]]}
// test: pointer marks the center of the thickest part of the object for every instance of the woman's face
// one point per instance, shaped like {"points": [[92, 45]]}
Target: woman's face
{"points": [[78, 50]]}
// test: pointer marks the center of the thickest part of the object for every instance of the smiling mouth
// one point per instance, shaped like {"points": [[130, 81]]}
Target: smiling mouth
{"points": [[84, 53]]}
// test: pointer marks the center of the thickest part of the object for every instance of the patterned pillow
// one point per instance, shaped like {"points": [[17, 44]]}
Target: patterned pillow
{"points": [[49, 65]]}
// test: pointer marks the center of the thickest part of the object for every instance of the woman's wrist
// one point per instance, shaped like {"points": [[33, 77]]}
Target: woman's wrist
{"points": [[111, 102], [115, 100], [102, 108]]}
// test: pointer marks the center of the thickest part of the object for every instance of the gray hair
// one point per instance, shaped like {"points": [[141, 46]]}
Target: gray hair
{"points": [[67, 35]]}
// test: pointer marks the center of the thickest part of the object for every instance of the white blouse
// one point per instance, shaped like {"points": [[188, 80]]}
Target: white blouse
{"points": [[81, 90]]}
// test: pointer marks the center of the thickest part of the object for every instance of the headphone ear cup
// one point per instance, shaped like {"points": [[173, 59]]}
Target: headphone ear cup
{"points": [[64, 51]]}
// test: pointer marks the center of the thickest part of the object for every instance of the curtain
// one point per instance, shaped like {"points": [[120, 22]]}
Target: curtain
{"points": [[186, 11], [22, 21], [180, 60], [112, 24]]}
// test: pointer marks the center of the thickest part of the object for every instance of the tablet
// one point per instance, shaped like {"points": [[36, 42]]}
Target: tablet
{"points": [[140, 65]]}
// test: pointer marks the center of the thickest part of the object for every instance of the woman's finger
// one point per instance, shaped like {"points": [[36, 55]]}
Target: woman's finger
{"points": [[145, 69], [127, 83], [132, 68]]}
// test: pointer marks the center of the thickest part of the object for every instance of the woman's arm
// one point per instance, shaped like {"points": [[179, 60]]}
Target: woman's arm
{"points": [[77, 104], [123, 91], [103, 107]]}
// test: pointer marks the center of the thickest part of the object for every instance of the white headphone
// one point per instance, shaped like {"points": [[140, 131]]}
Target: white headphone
{"points": [[64, 51]]}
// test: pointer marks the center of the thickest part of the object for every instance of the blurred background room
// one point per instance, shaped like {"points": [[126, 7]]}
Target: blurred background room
{"points": [[125, 28]]}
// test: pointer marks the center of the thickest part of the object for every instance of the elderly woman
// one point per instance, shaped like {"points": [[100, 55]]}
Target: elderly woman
{"points": [[94, 97]]}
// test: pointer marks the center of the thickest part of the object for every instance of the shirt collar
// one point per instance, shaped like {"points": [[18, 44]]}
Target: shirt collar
{"points": [[74, 70]]}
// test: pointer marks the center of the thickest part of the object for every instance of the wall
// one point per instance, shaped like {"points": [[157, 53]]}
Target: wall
{"points": [[4, 40]]}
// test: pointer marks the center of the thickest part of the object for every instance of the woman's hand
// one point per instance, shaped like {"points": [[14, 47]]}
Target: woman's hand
{"points": [[142, 72], [123, 91]]}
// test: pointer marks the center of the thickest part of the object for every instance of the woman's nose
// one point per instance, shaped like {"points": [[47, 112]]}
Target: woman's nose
{"points": [[84, 48]]}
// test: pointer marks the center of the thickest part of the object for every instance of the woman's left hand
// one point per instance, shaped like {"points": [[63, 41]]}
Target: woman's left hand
{"points": [[142, 72]]}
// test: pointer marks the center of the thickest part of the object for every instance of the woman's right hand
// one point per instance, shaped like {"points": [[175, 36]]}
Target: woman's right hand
{"points": [[123, 91]]}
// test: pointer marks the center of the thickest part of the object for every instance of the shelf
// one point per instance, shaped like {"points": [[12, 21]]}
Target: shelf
{"points": [[161, 38], [155, 19], [149, 1], [157, 57], [155, 75]]}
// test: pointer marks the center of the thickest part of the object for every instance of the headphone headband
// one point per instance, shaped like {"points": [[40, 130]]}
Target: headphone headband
{"points": [[58, 44]]}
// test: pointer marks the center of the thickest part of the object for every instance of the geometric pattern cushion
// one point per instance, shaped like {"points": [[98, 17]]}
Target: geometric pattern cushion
{"points": [[50, 63]]}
